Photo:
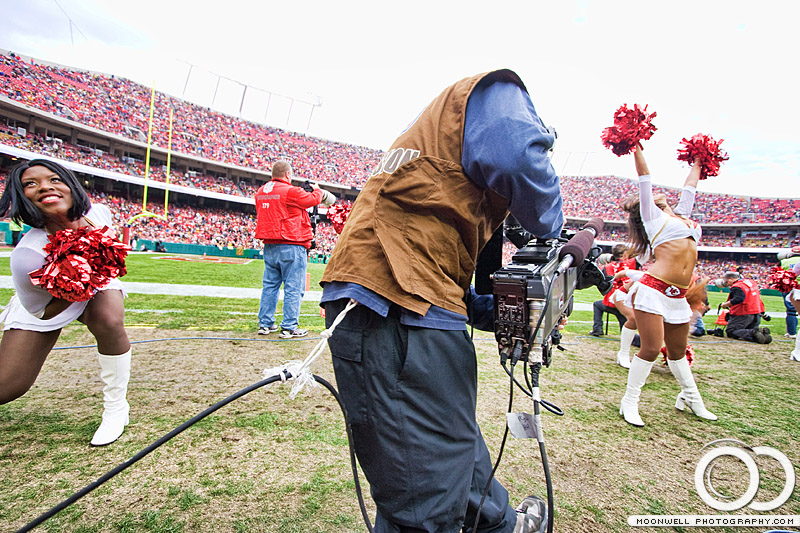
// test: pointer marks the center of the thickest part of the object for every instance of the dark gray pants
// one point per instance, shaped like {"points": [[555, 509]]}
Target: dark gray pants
{"points": [[742, 327], [410, 395], [598, 309]]}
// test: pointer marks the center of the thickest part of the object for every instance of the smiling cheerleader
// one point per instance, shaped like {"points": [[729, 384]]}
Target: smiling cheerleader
{"points": [[63, 269]]}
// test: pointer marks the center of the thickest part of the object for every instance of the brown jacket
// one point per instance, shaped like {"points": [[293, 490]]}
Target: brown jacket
{"points": [[415, 231]]}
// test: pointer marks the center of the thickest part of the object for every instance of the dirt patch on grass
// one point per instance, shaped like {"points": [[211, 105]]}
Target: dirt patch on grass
{"points": [[270, 463]]}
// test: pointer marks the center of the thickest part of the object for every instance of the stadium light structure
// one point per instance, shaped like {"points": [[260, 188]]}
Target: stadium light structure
{"points": [[317, 103], [186, 83], [317, 100], [72, 25]]}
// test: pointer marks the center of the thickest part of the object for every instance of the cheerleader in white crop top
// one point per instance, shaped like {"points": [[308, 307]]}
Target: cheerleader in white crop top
{"points": [[48, 197], [661, 227], [658, 298]]}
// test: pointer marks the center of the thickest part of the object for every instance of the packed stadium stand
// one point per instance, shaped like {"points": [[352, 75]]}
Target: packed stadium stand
{"points": [[98, 125]]}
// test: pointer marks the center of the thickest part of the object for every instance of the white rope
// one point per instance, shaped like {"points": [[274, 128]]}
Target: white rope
{"points": [[300, 371]]}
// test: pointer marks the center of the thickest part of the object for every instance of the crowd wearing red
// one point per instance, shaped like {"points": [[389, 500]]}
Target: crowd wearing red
{"points": [[119, 106]]}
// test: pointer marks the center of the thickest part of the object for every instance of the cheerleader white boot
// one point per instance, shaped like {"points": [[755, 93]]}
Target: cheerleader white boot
{"points": [[795, 355], [624, 354], [637, 375], [689, 395], [115, 371]]}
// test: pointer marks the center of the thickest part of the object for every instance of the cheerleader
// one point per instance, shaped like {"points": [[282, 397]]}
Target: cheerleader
{"points": [[658, 298], [623, 281], [794, 297], [48, 197]]}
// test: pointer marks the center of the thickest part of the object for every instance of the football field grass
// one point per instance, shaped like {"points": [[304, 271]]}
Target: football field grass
{"points": [[268, 462]]}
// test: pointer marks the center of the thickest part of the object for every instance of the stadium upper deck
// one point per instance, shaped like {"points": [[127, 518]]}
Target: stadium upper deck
{"points": [[100, 121]]}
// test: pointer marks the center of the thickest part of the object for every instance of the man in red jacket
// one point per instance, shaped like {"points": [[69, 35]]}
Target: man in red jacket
{"points": [[746, 308], [282, 222], [616, 263]]}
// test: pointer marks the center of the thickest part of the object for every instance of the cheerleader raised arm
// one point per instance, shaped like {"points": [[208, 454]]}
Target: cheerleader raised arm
{"points": [[658, 298]]}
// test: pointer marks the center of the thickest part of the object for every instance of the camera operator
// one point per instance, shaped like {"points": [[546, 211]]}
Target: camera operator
{"points": [[283, 224], [747, 308], [403, 359]]}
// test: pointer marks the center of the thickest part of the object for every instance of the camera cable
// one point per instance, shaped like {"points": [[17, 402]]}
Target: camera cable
{"points": [[537, 401], [186, 425], [301, 375], [533, 385], [499, 454]]}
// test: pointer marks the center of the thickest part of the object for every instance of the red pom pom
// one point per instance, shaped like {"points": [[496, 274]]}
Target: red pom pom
{"points": [[782, 280], [689, 354], [706, 150], [337, 214], [79, 262], [630, 127]]}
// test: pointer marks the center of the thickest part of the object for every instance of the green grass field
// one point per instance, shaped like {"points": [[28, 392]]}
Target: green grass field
{"points": [[270, 463], [232, 314]]}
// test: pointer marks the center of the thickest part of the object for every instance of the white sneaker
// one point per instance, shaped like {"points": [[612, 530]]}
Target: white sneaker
{"points": [[293, 333], [789, 335], [531, 516]]}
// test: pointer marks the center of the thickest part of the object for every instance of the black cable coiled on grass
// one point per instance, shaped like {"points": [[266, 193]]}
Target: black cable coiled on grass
{"points": [[189, 423]]}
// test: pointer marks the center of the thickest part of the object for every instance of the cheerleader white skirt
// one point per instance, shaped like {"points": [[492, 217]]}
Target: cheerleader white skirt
{"points": [[15, 316], [650, 300], [619, 297], [794, 295]]}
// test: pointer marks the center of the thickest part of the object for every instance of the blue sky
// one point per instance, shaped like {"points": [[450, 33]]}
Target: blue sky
{"points": [[723, 68]]}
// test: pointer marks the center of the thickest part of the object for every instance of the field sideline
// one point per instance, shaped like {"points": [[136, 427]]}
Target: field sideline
{"points": [[267, 462]]}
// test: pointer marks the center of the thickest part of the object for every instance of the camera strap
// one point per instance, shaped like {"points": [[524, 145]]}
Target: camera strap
{"points": [[301, 370], [490, 261]]}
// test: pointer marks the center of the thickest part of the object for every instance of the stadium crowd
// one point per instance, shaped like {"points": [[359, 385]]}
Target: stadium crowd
{"points": [[589, 196], [183, 224], [576, 191], [757, 270], [227, 228], [119, 106]]}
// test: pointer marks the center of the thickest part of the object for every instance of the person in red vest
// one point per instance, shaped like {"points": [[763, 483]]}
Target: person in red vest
{"points": [[607, 305], [283, 224], [614, 303], [794, 297], [746, 307]]}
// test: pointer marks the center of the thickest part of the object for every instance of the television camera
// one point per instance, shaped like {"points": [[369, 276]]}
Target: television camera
{"points": [[532, 295], [313, 215], [534, 292]]}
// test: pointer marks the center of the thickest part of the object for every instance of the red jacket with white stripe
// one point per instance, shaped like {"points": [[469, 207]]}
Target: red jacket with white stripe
{"points": [[281, 216]]}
